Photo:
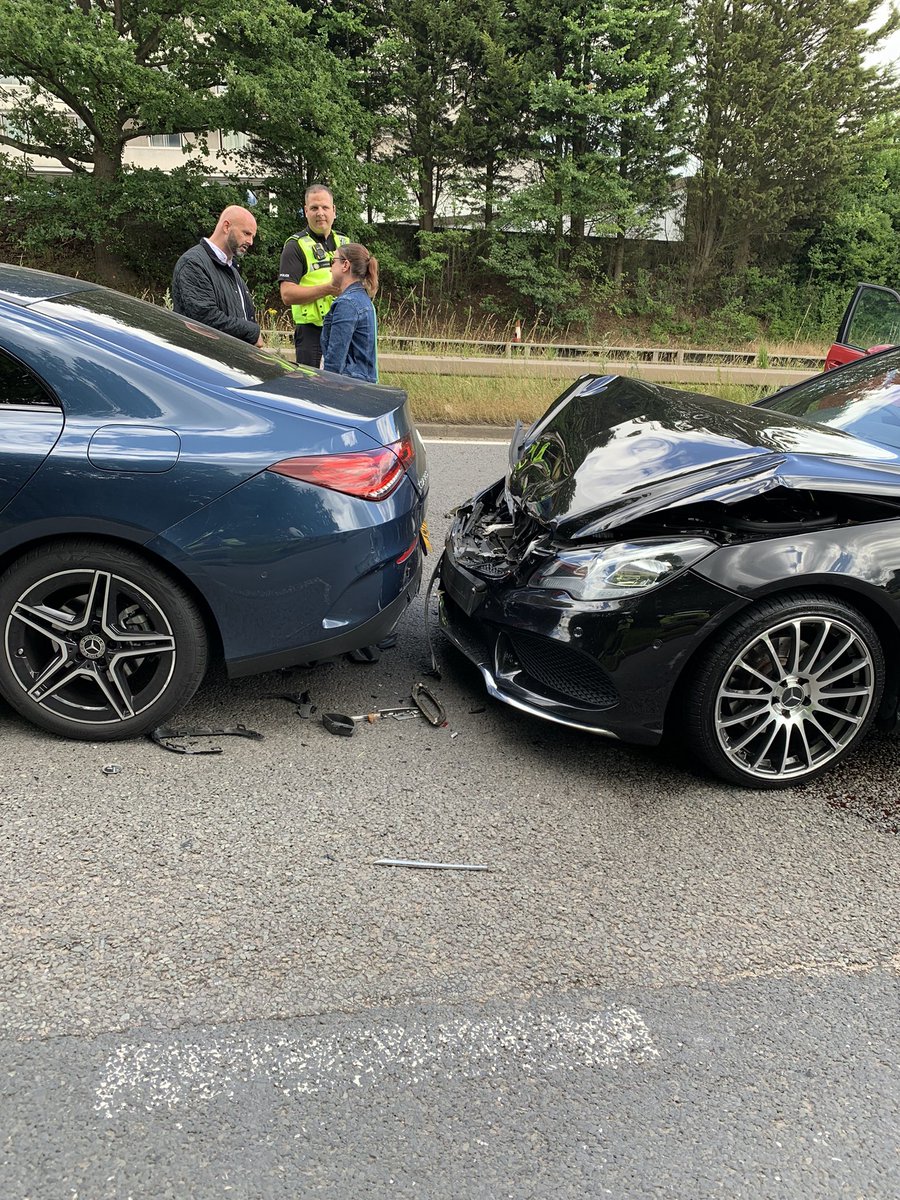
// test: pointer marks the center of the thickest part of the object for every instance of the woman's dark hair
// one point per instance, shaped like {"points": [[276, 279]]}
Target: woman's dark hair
{"points": [[363, 265]]}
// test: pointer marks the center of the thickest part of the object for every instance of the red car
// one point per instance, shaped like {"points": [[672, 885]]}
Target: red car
{"points": [[871, 322]]}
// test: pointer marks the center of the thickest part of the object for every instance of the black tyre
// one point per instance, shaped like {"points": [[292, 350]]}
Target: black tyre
{"points": [[98, 644], [785, 692]]}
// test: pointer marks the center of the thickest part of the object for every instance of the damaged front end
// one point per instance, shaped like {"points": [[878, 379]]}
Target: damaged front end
{"points": [[632, 524], [548, 636]]}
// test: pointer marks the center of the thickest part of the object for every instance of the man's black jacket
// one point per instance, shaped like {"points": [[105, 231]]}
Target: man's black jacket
{"points": [[209, 291]]}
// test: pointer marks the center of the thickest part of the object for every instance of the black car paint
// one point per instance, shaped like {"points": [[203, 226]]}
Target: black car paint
{"points": [[790, 504]]}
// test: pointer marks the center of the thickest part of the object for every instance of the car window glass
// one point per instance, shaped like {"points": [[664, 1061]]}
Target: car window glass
{"points": [[19, 387], [875, 320], [122, 318], [862, 398]]}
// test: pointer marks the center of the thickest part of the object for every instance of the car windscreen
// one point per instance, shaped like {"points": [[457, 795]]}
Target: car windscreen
{"points": [[167, 339], [862, 398]]}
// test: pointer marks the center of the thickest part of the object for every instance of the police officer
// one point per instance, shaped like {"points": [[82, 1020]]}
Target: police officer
{"points": [[305, 272]]}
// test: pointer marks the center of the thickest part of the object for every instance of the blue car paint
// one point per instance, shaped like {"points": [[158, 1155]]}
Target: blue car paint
{"points": [[28, 437], [329, 559], [134, 448], [167, 449]]}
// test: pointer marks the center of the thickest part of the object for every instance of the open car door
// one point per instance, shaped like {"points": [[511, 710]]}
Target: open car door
{"points": [[871, 322]]}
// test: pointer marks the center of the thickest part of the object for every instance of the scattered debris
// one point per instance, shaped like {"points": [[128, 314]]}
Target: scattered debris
{"points": [[454, 734], [428, 704], [429, 866], [884, 814], [170, 739], [343, 724], [112, 769], [435, 670], [302, 701], [480, 709], [365, 654], [339, 724], [387, 643]]}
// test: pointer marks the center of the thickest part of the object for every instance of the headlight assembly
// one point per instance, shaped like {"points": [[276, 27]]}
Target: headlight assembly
{"points": [[623, 569]]}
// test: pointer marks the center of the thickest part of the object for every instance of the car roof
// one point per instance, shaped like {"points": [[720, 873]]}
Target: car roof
{"points": [[20, 285]]}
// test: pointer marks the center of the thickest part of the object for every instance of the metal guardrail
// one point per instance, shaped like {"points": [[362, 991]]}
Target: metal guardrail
{"points": [[571, 368], [544, 351]]}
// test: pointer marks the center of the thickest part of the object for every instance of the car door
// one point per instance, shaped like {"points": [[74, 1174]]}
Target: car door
{"points": [[871, 322], [31, 421]]}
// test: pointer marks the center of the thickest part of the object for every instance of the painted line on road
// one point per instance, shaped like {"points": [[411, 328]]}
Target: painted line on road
{"points": [[170, 1075]]}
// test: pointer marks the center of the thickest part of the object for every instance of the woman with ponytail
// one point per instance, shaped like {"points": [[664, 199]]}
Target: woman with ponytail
{"points": [[350, 330]]}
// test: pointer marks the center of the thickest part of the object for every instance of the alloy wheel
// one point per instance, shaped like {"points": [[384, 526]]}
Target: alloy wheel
{"points": [[794, 697], [90, 646]]}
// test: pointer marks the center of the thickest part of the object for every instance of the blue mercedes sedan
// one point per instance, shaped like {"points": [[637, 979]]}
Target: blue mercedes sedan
{"points": [[170, 495]]}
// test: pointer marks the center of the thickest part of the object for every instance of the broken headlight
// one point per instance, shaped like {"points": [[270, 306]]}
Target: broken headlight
{"points": [[614, 572]]}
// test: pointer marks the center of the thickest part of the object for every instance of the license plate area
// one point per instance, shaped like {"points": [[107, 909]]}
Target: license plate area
{"points": [[462, 588]]}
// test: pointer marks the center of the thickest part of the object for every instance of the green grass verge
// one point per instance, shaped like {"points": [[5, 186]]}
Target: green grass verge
{"points": [[490, 400]]}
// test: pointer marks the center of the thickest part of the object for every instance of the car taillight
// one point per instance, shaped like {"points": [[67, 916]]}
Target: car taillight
{"points": [[370, 474]]}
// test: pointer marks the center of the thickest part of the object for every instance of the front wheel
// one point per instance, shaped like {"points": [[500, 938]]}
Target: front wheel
{"points": [[98, 644], [785, 692]]}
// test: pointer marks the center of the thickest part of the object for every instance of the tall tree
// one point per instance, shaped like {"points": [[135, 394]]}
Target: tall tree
{"points": [[428, 48], [94, 74], [782, 91], [494, 123], [651, 134], [595, 72]]}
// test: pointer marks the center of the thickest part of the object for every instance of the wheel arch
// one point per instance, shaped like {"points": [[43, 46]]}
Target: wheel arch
{"points": [[10, 556], [873, 610]]}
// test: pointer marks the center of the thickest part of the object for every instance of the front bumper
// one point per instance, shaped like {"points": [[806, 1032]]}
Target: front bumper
{"points": [[607, 667]]}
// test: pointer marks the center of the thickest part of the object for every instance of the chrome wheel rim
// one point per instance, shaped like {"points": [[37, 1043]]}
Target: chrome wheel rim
{"points": [[90, 646], [794, 697]]}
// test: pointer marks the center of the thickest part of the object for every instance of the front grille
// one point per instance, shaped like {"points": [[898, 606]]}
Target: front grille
{"points": [[564, 671]]}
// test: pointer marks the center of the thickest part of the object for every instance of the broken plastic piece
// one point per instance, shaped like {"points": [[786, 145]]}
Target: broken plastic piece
{"points": [[429, 866], [112, 769], [435, 671], [343, 724], [169, 738], [339, 724], [428, 704], [365, 654], [303, 701]]}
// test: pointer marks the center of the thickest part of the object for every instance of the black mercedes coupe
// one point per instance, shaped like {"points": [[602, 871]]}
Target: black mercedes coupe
{"points": [[660, 562]]}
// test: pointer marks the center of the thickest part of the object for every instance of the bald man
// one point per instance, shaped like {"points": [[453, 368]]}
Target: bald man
{"points": [[206, 283]]}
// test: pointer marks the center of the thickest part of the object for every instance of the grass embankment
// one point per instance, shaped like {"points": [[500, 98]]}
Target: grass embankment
{"points": [[492, 400]]}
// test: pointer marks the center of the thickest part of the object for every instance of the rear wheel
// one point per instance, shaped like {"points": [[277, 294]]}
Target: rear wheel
{"points": [[98, 644], [786, 691]]}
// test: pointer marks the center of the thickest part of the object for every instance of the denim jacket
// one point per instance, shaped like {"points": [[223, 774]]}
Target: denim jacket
{"points": [[349, 335]]}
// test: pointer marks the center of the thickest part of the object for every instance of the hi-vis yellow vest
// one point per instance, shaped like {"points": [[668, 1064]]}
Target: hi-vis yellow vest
{"points": [[318, 270]]}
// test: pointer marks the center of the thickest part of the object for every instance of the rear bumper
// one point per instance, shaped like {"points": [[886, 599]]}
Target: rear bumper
{"points": [[367, 633]]}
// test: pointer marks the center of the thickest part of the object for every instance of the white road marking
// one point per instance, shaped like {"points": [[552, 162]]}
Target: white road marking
{"points": [[170, 1075]]}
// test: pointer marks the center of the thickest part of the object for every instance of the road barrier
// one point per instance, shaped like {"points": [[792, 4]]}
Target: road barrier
{"points": [[543, 360], [544, 351], [568, 368]]}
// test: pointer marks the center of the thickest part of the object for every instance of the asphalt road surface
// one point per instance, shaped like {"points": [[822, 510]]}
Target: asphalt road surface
{"points": [[663, 987]]}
